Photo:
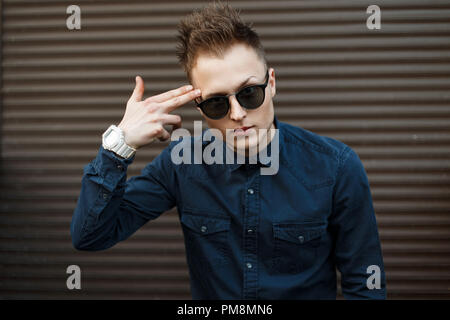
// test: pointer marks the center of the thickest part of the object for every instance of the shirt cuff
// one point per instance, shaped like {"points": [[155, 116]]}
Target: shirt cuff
{"points": [[111, 167]]}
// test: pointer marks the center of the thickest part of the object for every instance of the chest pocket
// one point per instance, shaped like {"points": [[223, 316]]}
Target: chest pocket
{"points": [[296, 246], [206, 239]]}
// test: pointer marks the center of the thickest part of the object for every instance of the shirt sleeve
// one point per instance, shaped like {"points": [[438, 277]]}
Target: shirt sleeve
{"points": [[110, 208], [357, 251]]}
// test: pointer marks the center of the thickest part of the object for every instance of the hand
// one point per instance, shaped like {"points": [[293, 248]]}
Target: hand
{"points": [[143, 120]]}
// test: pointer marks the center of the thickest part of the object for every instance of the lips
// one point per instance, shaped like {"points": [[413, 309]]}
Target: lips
{"points": [[242, 129]]}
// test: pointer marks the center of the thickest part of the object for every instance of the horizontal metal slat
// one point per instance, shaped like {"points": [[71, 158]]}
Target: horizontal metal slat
{"points": [[276, 59], [352, 85], [182, 7], [327, 124], [190, 114], [379, 180], [116, 29], [139, 46]]}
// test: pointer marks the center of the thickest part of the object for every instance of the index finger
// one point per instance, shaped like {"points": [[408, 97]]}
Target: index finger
{"points": [[176, 102], [169, 94]]}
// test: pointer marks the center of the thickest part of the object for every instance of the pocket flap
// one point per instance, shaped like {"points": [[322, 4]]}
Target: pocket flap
{"points": [[205, 224], [298, 232]]}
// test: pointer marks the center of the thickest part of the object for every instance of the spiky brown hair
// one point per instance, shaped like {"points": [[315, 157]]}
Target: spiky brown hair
{"points": [[213, 30]]}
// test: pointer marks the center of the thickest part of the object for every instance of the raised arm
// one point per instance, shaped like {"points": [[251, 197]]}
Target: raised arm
{"points": [[110, 208]]}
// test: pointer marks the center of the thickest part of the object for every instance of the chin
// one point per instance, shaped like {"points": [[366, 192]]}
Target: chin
{"points": [[247, 143]]}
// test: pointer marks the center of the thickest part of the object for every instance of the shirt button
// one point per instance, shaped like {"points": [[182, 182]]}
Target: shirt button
{"points": [[105, 196], [120, 167], [301, 239], [203, 228], [250, 191], [249, 265], [249, 231]]}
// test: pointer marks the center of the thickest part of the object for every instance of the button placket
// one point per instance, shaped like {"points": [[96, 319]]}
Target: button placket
{"points": [[251, 218]]}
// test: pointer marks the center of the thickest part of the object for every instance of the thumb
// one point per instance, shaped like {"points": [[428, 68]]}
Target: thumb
{"points": [[138, 91]]}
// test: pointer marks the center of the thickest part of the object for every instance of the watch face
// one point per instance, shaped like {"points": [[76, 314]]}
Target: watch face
{"points": [[112, 139]]}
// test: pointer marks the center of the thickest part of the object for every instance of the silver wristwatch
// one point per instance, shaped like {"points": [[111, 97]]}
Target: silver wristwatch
{"points": [[114, 140]]}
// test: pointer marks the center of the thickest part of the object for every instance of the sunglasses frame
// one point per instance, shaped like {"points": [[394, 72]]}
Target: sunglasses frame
{"points": [[227, 100]]}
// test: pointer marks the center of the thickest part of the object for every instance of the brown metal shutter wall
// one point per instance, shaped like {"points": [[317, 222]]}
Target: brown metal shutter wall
{"points": [[385, 93]]}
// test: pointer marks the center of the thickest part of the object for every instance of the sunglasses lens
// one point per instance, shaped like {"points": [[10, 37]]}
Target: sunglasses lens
{"points": [[251, 97], [216, 108]]}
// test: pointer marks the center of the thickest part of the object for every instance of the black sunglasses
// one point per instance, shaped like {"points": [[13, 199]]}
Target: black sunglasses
{"points": [[250, 97]]}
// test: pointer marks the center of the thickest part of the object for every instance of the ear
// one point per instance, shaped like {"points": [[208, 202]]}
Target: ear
{"points": [[272, 81]]}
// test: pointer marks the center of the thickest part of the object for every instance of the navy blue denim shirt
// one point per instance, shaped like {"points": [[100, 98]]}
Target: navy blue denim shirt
{"points": [[248, 235]]}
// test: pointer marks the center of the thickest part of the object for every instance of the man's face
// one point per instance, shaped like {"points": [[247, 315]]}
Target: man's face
{"points": [[222, 76]]}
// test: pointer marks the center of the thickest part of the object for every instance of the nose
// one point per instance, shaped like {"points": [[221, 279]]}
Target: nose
{"points": [[237, 113]]}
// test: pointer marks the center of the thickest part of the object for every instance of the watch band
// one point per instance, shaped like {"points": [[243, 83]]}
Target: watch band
{"points": [[124, 150]]}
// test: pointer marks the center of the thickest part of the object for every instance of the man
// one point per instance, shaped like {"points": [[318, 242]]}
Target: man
{"points": [[247, 235]]}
